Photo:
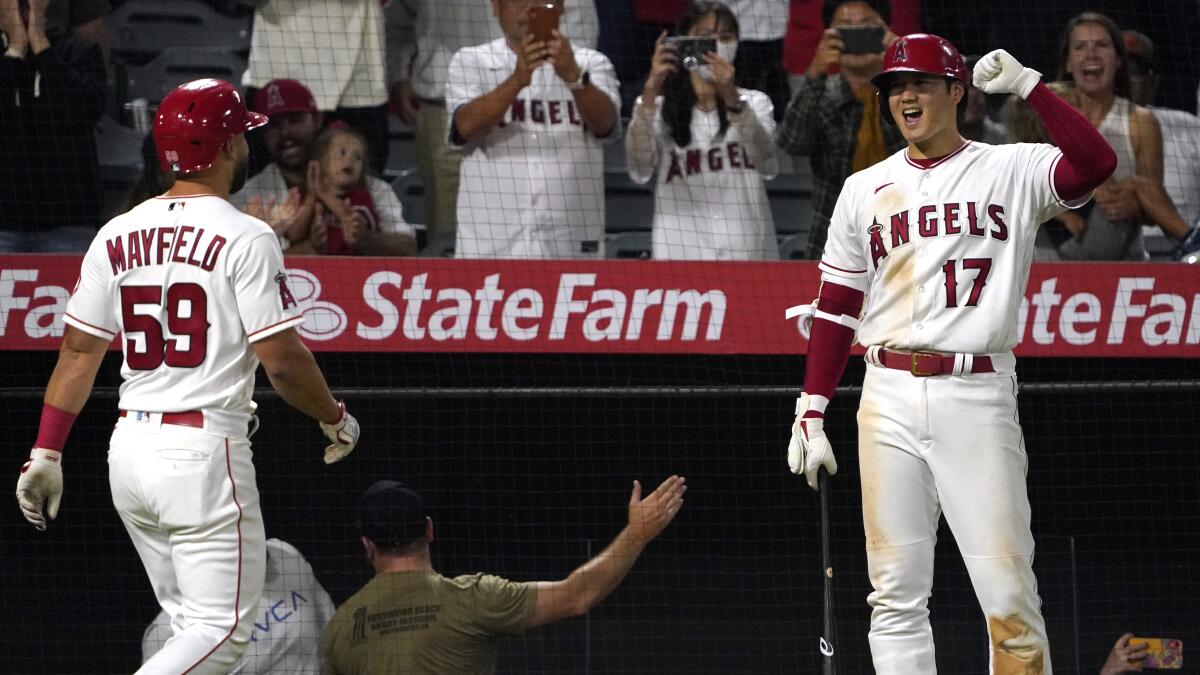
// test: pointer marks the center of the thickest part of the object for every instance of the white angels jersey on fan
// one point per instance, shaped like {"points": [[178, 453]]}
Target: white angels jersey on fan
{"points": [[190, 282], [944, 250]]}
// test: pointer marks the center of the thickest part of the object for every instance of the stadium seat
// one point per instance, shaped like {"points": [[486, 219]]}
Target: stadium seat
{"points": [[629, 206], [411, 191], [177, 65], [793, 246], [142, 29], [628, 246]]}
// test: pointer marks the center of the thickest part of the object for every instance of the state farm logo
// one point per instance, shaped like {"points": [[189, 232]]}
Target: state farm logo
{"points": [[43, 305], [323, 320], [577, 308]]}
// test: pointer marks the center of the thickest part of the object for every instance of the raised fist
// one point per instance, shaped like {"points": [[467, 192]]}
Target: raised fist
{"points": [[1001, 73]]}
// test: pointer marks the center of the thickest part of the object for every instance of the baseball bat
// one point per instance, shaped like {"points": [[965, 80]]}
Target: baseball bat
{"points": [[829, 629]]}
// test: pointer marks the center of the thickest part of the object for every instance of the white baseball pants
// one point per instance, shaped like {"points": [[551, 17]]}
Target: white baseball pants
{"points": [[189, 501], [953, 445]]}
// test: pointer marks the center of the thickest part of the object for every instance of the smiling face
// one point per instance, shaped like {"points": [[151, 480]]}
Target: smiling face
{"points": [[344, 161], [287, 137], [924, 107], [1092, 59]]}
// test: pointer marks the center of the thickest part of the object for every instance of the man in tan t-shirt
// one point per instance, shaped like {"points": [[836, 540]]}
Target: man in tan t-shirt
{"points": [[410, 619]]}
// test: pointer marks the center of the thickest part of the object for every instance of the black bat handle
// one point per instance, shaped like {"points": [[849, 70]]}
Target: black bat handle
{"points": [[829, 629]]}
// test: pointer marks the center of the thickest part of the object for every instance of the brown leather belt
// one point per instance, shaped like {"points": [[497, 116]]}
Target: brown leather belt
{"points": [[191, 418], [927, 364]]}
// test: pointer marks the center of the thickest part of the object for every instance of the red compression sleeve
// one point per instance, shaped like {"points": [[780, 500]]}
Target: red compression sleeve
{"points": [[1088, 160], [829, 342], [55, 426]]}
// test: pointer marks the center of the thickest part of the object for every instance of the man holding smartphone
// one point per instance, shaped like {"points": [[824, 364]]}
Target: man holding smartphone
{"points": [[531, 115], [833, 118]]}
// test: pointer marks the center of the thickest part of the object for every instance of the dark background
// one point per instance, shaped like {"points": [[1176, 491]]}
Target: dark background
{"points": [[527, 486]]}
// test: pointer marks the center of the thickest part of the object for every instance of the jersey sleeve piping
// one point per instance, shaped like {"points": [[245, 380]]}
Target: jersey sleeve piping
{"points": [[838, 271], [274, 328], [1073, 204], [90, 329]]}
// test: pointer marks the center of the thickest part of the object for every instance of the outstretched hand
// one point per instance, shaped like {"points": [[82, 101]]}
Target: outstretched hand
{"points": [[648, 517]]}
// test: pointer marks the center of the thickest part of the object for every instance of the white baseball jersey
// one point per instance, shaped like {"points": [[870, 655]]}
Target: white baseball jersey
{"points": [[270, 184], [944, 250], [760, 20], [533, 187], [335, 47], [710, 201], [190, 282], [292, 613], [1181, 160], [422, 36]]}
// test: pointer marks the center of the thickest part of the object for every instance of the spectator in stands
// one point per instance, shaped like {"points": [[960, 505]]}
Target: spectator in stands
{"points": [[711, 143], [806, 26], [52, 88], [409, 618], [1180, 132], [531, 116], [834, 119], [1084, 233], [422, 35], [973, 121], [1125, 657], [337, 46], [1092, 56], [83, 19], [346, 221], [279, 193], [153, 181], [761, 27], [291, 614]]}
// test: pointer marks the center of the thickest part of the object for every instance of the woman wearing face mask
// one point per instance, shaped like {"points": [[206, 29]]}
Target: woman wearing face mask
{"points": [[711, 144], [1110, 228]]}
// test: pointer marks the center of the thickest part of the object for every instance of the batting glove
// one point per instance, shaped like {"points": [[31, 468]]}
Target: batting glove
{"points": [[40, 487], [343, 433], [1001, 73], [809, 449]]}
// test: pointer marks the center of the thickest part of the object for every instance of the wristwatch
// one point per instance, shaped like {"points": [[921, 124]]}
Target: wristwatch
{"points": [[585, 80]]}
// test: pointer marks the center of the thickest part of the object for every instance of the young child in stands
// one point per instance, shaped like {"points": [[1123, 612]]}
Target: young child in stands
{"points": [[337, 173]]}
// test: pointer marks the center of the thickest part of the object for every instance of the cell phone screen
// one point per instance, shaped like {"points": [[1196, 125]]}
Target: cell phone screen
{"points": [[861, 39], [543, 18]]}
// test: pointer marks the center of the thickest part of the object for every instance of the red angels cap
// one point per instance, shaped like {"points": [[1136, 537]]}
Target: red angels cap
{"points": [[284, 96]]}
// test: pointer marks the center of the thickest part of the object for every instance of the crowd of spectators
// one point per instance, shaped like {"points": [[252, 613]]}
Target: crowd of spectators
{"points": [[510, 121]]}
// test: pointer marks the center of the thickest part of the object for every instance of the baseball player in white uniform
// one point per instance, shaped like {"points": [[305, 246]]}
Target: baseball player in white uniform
{"points": [[710, 200], [198, 292], [938, 238], [531, 116]]}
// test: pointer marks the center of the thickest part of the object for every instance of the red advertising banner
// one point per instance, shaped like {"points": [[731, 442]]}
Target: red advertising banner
{"points": [[643, 307]]}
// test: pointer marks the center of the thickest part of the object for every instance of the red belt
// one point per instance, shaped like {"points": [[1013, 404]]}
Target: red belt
{"points": [[191, 418], [926, 364]]}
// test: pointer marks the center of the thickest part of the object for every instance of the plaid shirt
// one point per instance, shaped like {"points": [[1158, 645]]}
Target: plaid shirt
{"points": [[821, 123]]}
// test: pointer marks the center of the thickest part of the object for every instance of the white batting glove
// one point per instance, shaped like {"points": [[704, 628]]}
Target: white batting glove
{"points": [[343, 433], [809, 449], [40, 487], [1001, 73]]}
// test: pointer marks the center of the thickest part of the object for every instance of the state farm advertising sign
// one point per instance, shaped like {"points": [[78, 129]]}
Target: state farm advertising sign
{"points": [[643, 307]]}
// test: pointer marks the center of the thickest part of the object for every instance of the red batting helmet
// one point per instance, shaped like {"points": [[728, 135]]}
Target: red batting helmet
{"points": [[195, 120], [920, 53]]}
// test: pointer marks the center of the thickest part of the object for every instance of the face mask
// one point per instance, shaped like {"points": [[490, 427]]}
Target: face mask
{"points": [[727, 50]]}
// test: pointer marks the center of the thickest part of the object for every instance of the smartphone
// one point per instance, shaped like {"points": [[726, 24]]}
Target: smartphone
{"points": [[692, 49], [543, 18], [861, 39], [1162, 653]]}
